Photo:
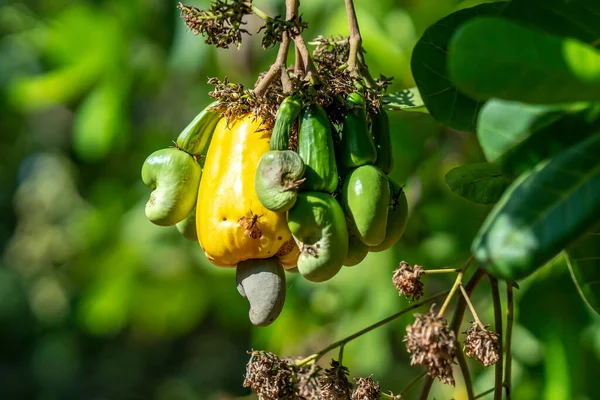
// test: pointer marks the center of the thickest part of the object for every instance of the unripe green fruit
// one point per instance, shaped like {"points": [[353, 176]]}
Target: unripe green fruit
{"points": [[357, 251], [175, 176], [278, 177], [187, 227], [397, 218], [318, 225], [195, 138], [366, 198]]}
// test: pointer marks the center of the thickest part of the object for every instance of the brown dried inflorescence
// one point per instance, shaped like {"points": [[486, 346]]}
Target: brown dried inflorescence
{"points": [[221, 24], [407, 281], [366, 389], [276, 26], [432, 344], [307, 382], [482, 344], [334, 384], [269, 377]]}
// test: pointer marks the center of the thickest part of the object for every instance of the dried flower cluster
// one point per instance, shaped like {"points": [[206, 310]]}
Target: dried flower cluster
{"points": [[276, 26], [234, 100], [366, 389], [482, 345], [307, 378], [269, 377], [432, 344], [334, 384], [221, 24], [331, 56], [407, 281]]}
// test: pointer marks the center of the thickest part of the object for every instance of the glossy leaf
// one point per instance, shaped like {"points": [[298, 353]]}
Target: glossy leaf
{"points": [[572, 18], [495, 57], [481, 183], [542, 212], [406, 100], [517, 136], [583, 258], [444, 102]]}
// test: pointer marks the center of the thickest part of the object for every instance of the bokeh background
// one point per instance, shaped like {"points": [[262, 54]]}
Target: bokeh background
{"points": [[98, 303]]}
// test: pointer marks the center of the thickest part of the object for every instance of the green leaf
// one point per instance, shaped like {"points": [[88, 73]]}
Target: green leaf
{"points": [[481, 183], [406, 100], [517, 136], [495, 57], [542, 212], [583, 259], [428, 63], [578, 19]]}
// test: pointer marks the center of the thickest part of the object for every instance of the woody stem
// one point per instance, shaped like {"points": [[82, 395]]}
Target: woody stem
{"points": [[355, 38]]}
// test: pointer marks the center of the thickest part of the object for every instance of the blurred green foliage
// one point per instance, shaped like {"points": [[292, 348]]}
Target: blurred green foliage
{"points": [[98, 303]]}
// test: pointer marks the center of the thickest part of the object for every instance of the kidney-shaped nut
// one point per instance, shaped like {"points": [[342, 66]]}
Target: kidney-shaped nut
{"points": [[262, 283]]}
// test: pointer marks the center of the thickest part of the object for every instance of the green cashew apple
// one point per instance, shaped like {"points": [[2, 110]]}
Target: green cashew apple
{"points": [[175, 176], [397, 218], [278, 177], [318, 226], [366, 198], [357, 251]]}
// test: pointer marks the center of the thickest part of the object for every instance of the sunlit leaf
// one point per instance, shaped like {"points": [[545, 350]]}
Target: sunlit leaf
{"points": [[542, 212], [444, 102], [517, 136], [495, 57], [480, 183], [583, 258], [406, 100]]}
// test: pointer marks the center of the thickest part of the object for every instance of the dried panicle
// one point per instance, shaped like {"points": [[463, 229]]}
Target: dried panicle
{"points": [[221, 24], [307, 381], [334, 384], [407, 281], [276, 26], [234, 100], [269, 377], [482, 345], [366, 389], [432, 344]]}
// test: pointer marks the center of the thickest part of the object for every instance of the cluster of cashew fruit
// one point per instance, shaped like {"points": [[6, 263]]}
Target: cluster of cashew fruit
{"points": [[262, 208]]}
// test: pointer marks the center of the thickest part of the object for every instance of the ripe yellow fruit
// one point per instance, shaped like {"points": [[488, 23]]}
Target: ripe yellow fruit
{"points": [[232, 224]]}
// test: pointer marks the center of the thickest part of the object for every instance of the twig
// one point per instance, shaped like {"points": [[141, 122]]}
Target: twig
{"points": [[318, 355], [275, 68], [464, 369], [498, 326], [480, 395], [412, 383], [426, 388], [299, 63], [473, 312], [440, 271], [286, 82], [310, 71], [258, 12], [355, 38], [455, 287], [509, 328], [364, 70]]}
